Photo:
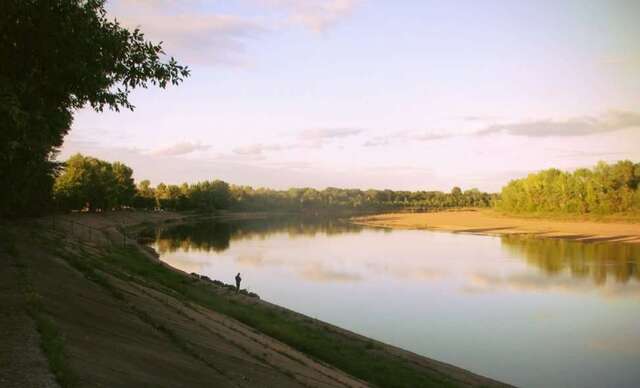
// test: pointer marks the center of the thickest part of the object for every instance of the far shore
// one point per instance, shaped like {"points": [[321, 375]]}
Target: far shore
{"points": [[489, 222]]}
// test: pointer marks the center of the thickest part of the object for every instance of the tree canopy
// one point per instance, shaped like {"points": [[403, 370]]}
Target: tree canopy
{"points": [[604, 189], [90, 183], [57, 56]]}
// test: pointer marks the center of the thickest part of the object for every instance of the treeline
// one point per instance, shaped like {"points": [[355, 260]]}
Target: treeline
{"points": [[604, 189], [91, 184], [220, 195]]}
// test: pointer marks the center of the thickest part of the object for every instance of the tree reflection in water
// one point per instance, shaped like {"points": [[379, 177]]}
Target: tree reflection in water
{"points": [[554, 257], [217, 236], [598, 261]]}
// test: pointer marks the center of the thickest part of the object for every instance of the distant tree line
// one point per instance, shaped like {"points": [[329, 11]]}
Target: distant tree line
{"points": [[91, 184], [604, 189]]}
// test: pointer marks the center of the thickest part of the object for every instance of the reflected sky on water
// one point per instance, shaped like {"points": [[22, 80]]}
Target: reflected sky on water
{"points": [[531, 312]]}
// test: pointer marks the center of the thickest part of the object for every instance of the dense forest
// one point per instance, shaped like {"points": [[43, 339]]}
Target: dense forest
{"points": [[604, 189], [90, 184]]}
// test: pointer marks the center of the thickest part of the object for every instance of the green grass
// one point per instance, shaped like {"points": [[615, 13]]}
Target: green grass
{"points": [[52, 340], [360, 358], [53, 346]]}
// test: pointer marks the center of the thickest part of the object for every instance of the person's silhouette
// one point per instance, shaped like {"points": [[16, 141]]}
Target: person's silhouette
{"points": [[238, 280]]}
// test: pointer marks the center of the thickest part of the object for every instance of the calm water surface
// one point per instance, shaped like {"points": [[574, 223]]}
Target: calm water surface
{"points": [[531, 312]]}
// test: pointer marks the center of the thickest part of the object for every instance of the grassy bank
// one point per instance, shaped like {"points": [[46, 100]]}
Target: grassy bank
{"points": [[358, 357]]}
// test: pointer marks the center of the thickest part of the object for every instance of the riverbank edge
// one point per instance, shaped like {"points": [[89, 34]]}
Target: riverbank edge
{"points": [[489, 222], [465, 377], [131, 223]]}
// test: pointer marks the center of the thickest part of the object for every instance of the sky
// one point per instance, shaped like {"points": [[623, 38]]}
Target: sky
{"points": [[410, 95]]}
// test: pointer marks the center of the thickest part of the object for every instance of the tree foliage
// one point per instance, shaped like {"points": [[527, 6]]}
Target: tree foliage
{"points": [[604, 189], [57, 56], [211, 195], [93, 184], [89, 183]]}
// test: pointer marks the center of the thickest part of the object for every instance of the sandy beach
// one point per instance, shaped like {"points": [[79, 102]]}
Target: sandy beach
{"points": [[489, 222]]}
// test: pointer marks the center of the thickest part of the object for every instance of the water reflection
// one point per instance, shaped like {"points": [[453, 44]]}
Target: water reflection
{"points": [[473, 301], [555, 258], [217, 236], [597, 261]]}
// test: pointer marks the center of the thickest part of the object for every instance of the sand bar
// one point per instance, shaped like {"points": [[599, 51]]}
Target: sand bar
{"points": [[491, 223]]}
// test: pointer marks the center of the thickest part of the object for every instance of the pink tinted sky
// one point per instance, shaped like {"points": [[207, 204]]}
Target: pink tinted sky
{"points": [[377, 94]]}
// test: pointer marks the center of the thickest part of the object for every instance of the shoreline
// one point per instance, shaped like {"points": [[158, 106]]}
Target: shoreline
{"points": [[463, 377], [488, 222], [199, 320]]}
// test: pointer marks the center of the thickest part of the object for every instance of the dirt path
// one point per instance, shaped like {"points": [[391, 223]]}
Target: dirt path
{"points": [[491, 223], [22, 363]]}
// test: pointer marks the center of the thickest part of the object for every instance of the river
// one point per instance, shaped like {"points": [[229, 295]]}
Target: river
{"points": [[526, 311]]}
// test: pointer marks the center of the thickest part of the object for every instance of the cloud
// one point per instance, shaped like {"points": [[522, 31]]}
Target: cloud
{"points": [[579, 126], [479, 283], [291, 165], [377, 141], [316, 15], [478, 118], [316, 138], [328, 133], [578, 154], [195, 36], [406, 136], [397, 169], [180, 149], [432, 136], [310, 138], [190, 37], [318, 273], [257, 149]]}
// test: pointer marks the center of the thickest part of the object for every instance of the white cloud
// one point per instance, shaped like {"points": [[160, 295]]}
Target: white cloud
{"points": [[406, 136], [310, 138], [328, 133], [579, 126], [316, 15], [204, 38], [183, 148], [257, 149], [197, 37]]}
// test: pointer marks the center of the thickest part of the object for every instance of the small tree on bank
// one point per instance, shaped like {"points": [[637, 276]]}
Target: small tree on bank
{"points": [[91, 184]]}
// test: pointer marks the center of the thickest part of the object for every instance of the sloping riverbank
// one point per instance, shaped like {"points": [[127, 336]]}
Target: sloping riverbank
{"points": [[108, 313], [491, 223]]}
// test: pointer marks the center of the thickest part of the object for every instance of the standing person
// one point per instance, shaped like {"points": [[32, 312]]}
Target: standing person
{"points": [[238, 280]]}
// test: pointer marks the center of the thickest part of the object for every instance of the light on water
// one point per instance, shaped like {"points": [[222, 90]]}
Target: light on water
{"points": [[531, 312]]}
